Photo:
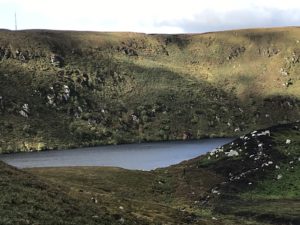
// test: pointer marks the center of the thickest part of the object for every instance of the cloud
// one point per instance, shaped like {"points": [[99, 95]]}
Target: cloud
{"points": [[149, 16], [211, 20]]}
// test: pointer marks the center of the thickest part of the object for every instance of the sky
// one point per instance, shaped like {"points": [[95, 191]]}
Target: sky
{"points": [[148, 16]]}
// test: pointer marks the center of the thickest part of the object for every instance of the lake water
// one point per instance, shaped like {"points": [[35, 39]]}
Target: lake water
{"points": [[144, 156]]}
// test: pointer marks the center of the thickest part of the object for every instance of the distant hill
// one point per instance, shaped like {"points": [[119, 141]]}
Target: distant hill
{"points": [[68, 89]]}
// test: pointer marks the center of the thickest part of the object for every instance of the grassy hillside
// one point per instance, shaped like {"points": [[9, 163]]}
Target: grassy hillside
{"points": [[24, 199], [253, 180], [66, 89]]}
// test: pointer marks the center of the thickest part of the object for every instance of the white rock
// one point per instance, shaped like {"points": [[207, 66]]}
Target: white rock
{"points": [[23, 113], [214, 191], [237, 129], [25, 108], [288, 141], [279, 176], [277, 167], [134, 118], [121, 207], [50, 99], [94, 200], [122, 220], [232, 153], [265, 133]]}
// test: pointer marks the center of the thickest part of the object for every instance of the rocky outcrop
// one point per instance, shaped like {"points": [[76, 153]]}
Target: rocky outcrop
{"points": [[236, 52]]}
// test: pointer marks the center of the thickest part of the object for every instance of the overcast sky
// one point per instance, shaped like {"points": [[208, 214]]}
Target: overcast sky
{"points": [[149, 16]]}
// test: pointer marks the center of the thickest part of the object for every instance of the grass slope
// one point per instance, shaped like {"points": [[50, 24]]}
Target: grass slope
{"points": [[67, 89], [253, 180], [24, 199]]}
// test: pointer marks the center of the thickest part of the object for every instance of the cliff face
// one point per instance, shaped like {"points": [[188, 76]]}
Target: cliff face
{"points": [[65, 89]]}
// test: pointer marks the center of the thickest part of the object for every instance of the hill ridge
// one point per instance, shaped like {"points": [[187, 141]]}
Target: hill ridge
{"points": [[109, 88]]}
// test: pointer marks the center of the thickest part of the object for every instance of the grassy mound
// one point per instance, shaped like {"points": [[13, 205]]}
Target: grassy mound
{"points": [[27, 200]]}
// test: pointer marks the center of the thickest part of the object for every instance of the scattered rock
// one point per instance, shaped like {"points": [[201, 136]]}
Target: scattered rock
{"points": [[22, 113], [264, 133], [122, 220], [66, 92], [232, 153], [283, 72], [57, 60], [237, 129], [50, 99], [25, 110], [95, 200], [134, 118]]}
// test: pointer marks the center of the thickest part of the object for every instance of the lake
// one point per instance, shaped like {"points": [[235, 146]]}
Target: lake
{"points": [[143, 156]]}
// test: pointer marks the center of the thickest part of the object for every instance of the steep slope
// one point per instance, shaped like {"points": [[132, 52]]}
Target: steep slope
{"points": [[253, 180], [259, 175], [67, 89]]}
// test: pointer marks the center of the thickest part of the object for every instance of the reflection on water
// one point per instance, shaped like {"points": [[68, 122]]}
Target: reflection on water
{"points": [[145, 156]]}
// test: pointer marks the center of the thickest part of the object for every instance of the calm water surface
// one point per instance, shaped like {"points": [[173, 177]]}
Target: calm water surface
{"points": [[144, 156]]}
